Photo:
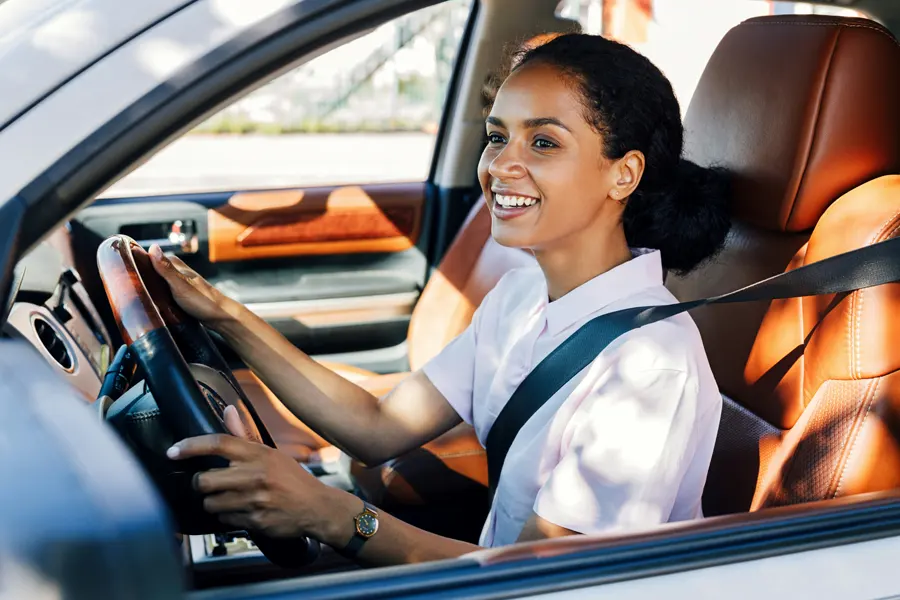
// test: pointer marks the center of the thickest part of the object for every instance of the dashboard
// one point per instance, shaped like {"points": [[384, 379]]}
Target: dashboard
{"points": [[53, 312]]}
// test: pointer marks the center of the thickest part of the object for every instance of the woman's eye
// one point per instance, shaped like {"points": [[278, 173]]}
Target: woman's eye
{"points": [[495, 138], [544, 144]]}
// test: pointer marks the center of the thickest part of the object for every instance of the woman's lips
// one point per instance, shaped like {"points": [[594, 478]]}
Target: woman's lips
{"points": [[509, 206]]}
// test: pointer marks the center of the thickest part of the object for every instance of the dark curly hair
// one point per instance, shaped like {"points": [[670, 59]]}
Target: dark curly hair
{"points": [[679, 208]]}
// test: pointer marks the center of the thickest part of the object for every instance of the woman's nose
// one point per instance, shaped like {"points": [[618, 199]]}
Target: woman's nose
{"points": [[507, 164]]}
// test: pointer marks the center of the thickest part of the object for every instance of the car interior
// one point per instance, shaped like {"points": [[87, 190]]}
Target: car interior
{"points": [[374, 279]]}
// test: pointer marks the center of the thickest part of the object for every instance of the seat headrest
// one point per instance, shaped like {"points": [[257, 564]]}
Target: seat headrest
{"points": [[801, 109]]}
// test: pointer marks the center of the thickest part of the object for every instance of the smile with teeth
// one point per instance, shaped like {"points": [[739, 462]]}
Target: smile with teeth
{"points": [[514, 201]]}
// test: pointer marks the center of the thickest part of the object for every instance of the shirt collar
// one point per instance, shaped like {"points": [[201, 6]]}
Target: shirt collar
{"points": [[641, 272]]}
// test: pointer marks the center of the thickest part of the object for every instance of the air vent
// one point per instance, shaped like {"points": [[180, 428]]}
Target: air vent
{"points": [[53, 343]]}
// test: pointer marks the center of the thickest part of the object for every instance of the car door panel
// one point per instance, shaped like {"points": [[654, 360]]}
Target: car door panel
{"points": [[337, 270], [342, 220]]}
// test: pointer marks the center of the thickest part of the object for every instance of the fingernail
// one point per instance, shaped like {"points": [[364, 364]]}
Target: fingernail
{"points": [[173, 452]]}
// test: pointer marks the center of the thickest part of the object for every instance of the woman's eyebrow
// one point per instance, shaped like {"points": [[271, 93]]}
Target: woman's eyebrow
{"points": [[540, 121], [531, 123]]}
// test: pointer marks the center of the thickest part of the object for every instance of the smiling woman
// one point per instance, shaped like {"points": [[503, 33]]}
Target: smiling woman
{"points": [[583, 168], [580, 167], [604, 106]]}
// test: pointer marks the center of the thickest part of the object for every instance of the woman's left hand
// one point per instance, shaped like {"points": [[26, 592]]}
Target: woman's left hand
{"points": [[262, 489]]}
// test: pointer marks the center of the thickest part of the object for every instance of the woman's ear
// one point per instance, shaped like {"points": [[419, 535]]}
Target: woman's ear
{"points": [[628, 171]]}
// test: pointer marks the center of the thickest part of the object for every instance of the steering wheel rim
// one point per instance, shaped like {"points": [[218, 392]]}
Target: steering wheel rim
{"points": [[159, 334], [147, 315]]}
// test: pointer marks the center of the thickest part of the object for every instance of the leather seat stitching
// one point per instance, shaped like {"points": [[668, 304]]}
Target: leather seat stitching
{"points": [[871, 393], [829, 24], [856, 329], [850, 345], [880, 235], [858, 296]]}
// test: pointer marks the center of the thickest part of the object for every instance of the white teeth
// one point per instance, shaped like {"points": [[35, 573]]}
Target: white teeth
{"points": [[513, 201]]}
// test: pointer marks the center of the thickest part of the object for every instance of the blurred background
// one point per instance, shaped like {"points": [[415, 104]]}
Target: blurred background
{"points": [[384, 92]]}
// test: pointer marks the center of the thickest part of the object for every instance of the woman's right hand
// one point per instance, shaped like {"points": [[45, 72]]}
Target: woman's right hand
{"points": [[191, 292]]}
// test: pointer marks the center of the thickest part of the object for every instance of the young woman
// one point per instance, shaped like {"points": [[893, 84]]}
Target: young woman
{"points": [[582, 167]]}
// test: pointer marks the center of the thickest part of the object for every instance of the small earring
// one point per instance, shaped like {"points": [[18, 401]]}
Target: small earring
{"points": [[615, 193]]}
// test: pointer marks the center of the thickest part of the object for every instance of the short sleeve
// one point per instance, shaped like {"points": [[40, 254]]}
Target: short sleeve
{"points": [[629, 446], [452, 371]]}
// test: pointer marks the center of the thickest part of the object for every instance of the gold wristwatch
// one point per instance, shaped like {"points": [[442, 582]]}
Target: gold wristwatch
{"points": [[365, 526]]}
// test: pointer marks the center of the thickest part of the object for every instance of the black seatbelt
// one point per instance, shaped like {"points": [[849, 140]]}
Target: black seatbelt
{"points": [[854, 270]]}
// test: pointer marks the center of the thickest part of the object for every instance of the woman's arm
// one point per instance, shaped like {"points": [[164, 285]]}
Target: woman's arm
{"points": [[395, 543], [369, 429], [265, 490]]}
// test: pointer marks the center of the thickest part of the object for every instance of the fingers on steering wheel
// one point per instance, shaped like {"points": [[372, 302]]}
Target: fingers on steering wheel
{"points": [[240, 520], [234, 424], [232, 478], [181, 267], [232, 502], [160, 261], [224, 445], [169, 266]]}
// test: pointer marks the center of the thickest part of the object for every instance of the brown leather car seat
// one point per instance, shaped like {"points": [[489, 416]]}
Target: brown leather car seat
{"points": [[805, 110]]}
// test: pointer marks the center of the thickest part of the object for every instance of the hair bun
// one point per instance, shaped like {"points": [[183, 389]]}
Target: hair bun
{"points": [[687, 221]]}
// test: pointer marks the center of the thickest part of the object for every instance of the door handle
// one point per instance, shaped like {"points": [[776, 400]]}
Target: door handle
{"points": [[182, 239]]}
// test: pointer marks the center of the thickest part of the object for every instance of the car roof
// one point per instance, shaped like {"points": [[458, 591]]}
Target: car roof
{"points": [[43, 43]]}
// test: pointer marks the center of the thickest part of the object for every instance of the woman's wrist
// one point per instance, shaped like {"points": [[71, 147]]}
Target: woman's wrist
{"points": [[232, 321], [336, 527]]}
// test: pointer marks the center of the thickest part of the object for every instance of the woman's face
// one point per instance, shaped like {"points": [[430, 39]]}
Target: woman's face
{"points": [[543, 173]]}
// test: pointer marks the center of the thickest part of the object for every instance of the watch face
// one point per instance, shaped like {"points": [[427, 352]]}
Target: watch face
{"points": [[366, 525]]}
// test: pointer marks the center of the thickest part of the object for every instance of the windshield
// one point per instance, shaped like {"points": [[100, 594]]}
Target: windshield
{"points": [[45, 42]]}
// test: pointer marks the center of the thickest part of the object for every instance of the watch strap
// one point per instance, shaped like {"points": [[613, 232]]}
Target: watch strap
{"points": [[351, 550], [353, 547]]}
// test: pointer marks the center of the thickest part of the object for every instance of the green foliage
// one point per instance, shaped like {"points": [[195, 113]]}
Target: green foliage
{"points": [[228, 125]]}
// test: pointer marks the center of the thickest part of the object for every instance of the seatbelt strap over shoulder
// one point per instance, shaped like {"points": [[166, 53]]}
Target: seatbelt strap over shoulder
{"points": [[872, 265]]}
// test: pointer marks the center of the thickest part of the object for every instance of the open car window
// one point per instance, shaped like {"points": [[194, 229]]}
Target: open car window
{"points": [[366, 111]]}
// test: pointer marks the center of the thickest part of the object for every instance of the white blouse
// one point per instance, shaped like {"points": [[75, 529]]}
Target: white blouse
{"points": [[626, 443]]}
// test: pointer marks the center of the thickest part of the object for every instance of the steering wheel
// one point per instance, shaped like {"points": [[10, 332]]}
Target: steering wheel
{"points": [[187, 385]]}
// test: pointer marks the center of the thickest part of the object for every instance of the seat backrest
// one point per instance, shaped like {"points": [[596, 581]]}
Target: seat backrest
{"points": [[805, 111], [471, 267]]}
